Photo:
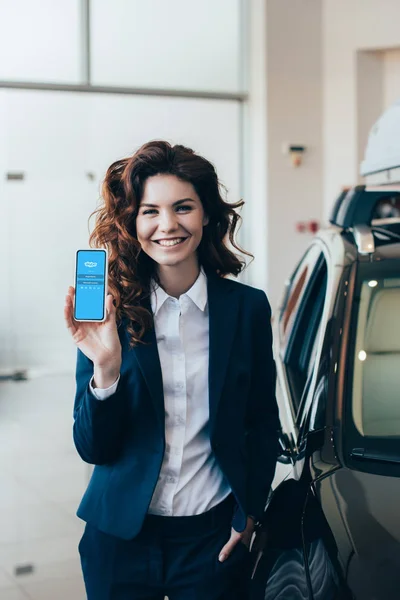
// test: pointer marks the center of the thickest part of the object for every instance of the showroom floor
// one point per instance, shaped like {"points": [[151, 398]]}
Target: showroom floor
{"points": [[41, 482]]}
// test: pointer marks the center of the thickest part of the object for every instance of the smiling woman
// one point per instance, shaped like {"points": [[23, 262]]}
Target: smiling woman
{"points": [[175, 400]]}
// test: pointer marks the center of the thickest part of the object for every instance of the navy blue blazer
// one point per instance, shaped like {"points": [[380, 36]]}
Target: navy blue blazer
{"points": [[124, 435]]}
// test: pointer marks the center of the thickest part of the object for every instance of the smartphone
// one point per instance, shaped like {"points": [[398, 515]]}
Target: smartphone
{"points": [[90, 285]]}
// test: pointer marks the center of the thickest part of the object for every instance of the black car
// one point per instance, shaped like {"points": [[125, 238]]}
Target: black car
{"points": [[332, 525]]}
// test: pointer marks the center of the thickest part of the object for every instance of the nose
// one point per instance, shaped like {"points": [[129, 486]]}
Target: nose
{"points": [[168, 221]]}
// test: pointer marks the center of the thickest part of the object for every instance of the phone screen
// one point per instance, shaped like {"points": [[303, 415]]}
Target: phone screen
{"points": [[90, 282]]}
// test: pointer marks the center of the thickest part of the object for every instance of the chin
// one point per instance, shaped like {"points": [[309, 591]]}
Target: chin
{"points": [[170, 262], [166, 260], [171, 259]]}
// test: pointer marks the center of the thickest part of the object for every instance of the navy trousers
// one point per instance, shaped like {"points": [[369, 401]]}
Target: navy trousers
{"points": [[171, 556]]}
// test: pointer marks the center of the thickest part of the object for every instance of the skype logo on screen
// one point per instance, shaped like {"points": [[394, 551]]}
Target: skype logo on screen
{"points": [[90, 264]]}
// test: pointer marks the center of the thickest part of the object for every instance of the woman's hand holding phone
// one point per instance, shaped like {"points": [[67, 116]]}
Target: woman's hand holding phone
{"points": [[98, 341]]}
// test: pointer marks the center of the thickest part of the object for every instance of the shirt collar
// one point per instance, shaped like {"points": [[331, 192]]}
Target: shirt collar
{"points": [[197, 293]]}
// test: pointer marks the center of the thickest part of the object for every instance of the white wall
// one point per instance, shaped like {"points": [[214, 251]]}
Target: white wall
{"points": [[294, 113], [56, 139], [328, 78], [254, 150], [369, 85], [63, 142], [176, 44], [348, 27], [391, 77]]}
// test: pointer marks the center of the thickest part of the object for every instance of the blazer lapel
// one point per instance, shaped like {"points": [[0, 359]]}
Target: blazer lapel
{"points": [[223, 302], [146, 355]]}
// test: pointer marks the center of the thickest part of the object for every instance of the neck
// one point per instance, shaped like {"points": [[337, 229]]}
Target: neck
{"points": [[176, 280]]}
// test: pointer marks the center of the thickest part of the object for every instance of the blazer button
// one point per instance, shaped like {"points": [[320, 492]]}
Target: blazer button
{"points": [[216, 445]]}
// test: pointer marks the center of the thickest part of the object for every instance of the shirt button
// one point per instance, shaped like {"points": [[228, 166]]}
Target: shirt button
{"points": [[170, 479], [179, 420], [179, 385]]}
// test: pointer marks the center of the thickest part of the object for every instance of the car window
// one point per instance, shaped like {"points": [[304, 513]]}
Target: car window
{"points": [[313, 352], [302, 344], [376, 373], [294, 294]]}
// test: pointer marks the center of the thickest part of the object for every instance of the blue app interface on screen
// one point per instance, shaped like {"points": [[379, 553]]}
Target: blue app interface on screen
{"points": [[90, 281]]}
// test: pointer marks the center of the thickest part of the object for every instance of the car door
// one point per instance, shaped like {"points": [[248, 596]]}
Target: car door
{"points": [[360, 499], [281, 567], [315, 459]]}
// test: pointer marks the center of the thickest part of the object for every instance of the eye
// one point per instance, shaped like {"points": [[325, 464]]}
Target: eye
{"points": [[184, 208], [149, 211]]}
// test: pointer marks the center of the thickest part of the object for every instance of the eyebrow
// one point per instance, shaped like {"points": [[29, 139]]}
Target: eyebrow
{"points": [[174, 204]]}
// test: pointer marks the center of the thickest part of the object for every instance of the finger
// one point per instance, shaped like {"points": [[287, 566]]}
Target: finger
{"points": [[69, 320], [70, 325], [71, 295], [227, 549]]}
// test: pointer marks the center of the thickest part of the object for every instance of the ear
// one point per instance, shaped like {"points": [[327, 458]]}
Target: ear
{"points": [[206, 220]]}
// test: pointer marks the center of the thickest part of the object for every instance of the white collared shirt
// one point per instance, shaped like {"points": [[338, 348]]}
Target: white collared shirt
{"points": [[190, 480]]}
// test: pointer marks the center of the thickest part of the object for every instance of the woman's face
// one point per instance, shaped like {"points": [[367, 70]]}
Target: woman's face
{"points": [[170, 221]]}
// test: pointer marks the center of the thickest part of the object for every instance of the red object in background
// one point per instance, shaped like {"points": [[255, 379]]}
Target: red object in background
{"points": [[313, 226], [300, 227], [310, 226]]}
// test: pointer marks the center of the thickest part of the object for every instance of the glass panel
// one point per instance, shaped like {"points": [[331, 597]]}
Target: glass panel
{"points": [[77, 136], [40, 40], [294, 294], [305, 334], [5, 237], [178, 44], [376, 380], [48, 222], [46, 134], [210, 127]]}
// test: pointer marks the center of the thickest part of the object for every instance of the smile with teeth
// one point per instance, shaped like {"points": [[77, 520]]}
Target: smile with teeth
{"points": [[173, 242]]}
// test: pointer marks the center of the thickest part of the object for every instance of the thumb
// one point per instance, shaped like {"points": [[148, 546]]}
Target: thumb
{"points": [[226, 550]]}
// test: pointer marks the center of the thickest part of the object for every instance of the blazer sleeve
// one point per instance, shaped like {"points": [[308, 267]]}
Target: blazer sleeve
{"points": [[262, 424], [98, 429]]}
